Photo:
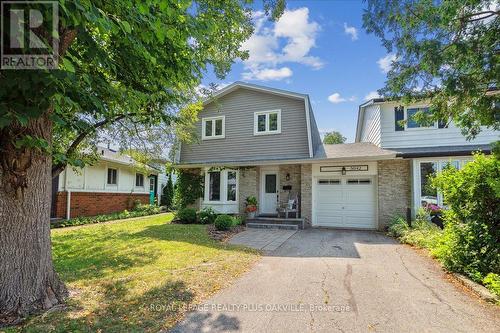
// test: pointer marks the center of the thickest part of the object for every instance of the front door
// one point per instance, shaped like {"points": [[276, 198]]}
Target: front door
{"points": [[269, 200], [152, 190]]}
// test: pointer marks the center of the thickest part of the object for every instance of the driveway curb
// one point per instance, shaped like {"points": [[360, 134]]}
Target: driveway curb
{"points": [[476, 288]]}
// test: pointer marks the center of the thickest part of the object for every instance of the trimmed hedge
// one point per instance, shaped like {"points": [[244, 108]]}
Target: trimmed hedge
{"points": [[141, 210], [186, 215], [224, 222]]}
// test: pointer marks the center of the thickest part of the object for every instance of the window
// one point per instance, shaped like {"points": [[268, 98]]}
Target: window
{"points": [[213, 128], [411, 121], [270, 183], [214, 186], [139, 180], [329, 182], [221, 186], [231, 186], [358, 181], [426, 194], [267, 122], [112, 176]]}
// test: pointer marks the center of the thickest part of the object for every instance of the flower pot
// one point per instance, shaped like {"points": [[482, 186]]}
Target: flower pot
{"points": [[251, 215]]}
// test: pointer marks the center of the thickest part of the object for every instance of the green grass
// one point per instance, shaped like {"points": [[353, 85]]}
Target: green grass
{"points": [[136, 276]]}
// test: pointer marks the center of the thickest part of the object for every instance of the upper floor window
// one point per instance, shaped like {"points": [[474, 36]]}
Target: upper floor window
{"points": [[112, 176], [411, 121], [213, 128], [267, 122], [406, 118], [139, 180]]}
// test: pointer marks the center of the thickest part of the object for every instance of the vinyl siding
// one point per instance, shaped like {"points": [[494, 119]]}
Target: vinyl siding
{"points": [[371, 125], [315, 137], [426, 137], [240, 143]]}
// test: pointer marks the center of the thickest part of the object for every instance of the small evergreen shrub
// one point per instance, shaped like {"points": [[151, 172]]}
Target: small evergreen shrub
{"points": [[186, 215], [224, 222], [207, 216]]}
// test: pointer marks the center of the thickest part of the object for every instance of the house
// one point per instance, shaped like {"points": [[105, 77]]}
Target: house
{"points": [[113, 184], [264, 142]]}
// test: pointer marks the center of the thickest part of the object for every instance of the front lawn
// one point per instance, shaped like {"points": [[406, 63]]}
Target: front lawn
{"points": [[136, 275]]}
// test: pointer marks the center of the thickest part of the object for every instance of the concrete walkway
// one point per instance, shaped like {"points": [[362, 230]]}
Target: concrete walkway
{"points": [[267, 240], [343, 281]]}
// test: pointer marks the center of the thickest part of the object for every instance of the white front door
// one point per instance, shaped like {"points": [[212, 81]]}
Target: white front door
{"points": [[269, 197], [347, 202]]}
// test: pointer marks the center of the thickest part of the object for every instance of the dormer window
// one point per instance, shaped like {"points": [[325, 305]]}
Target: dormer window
{"points": [[267, 122], [213, 128]]}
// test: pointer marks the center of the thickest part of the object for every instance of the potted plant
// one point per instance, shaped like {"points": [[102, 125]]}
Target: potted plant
{"points": [[251, 206], [436, 214]]}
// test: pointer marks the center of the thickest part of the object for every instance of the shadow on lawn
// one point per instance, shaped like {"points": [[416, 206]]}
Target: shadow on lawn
{"points": [[158, 308]]}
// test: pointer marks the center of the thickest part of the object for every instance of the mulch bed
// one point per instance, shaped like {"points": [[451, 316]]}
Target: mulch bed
{"points": [[223, 236]]}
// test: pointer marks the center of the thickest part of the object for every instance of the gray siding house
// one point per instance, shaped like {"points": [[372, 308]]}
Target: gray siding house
{"points": [[264, 142]]}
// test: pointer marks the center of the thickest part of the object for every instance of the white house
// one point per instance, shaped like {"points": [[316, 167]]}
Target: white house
{"points": [[113, 184]]}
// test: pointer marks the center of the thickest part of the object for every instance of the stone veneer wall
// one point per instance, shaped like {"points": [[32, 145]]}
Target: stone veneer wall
{"points": [[306, 194], [294, 171], [248, 186], [394, 189]]}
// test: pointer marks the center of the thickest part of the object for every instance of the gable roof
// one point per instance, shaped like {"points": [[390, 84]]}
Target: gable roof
{"points": [[312, 129]]}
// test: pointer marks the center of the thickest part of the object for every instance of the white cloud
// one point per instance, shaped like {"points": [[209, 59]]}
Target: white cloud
{"points": [[351, 31], [372, 95], [385, 63], [336, 98], [289, 40], [268, 74]]}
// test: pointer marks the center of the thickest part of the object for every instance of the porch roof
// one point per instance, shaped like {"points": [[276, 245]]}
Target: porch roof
{"points": [[324, 153], [353, 151]]}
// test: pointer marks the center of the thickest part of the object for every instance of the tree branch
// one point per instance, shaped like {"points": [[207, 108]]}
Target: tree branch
{"points": [[58, 168]]}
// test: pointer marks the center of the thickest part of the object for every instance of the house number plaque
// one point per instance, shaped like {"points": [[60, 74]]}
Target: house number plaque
{"points": [[343, 168]]}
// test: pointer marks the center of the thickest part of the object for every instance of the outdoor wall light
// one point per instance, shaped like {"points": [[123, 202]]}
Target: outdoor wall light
{"points": [[287, 177], [343, 171]]}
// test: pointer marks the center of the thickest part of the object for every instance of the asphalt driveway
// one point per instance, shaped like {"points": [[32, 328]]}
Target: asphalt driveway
{"points": [[343, 281]]}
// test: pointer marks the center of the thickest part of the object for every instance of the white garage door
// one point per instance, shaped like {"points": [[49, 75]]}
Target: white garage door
{"points": [[345, 202]]}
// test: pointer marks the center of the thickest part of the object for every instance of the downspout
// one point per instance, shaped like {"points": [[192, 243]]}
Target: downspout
{"points": [[68, 205]]}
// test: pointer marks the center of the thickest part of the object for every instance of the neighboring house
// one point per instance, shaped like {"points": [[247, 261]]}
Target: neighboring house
{"points": [[264, 142], [111, 185]]}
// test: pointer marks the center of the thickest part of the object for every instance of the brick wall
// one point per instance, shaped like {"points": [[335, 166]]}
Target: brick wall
{"points": [[247, 186], [94, 203], [394, 189], [306, 193]]}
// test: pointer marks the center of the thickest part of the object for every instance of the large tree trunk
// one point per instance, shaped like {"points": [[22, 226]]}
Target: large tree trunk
{"points": [[28, 281]]}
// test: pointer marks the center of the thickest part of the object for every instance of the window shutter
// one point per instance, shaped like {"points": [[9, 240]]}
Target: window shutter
{"points": [[398, 116]]}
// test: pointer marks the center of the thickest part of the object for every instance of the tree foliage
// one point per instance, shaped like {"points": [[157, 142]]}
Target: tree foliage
{"points": [[167, 195], [188, 188], [443, 51], [333, 137], [126, 60]]}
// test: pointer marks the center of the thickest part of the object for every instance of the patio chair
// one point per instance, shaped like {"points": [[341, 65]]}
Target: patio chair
{"points": [[291, 206]]}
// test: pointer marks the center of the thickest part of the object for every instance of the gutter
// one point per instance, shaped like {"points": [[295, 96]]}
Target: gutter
{"points": [[292, 161]]}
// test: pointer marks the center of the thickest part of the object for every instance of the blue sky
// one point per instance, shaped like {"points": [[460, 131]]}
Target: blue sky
{"points": [[318, 48]]}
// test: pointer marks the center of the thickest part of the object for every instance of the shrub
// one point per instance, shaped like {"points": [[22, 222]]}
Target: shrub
{"points": [[239, 219], [188, 188], [492, 282], [187, 215], [207, 216], [144, 211], [422, 233], [472, 233], [167, 195], [223, 222]]}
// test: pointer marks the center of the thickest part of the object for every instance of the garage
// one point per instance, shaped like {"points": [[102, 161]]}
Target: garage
{"points": [[345, 202]]}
